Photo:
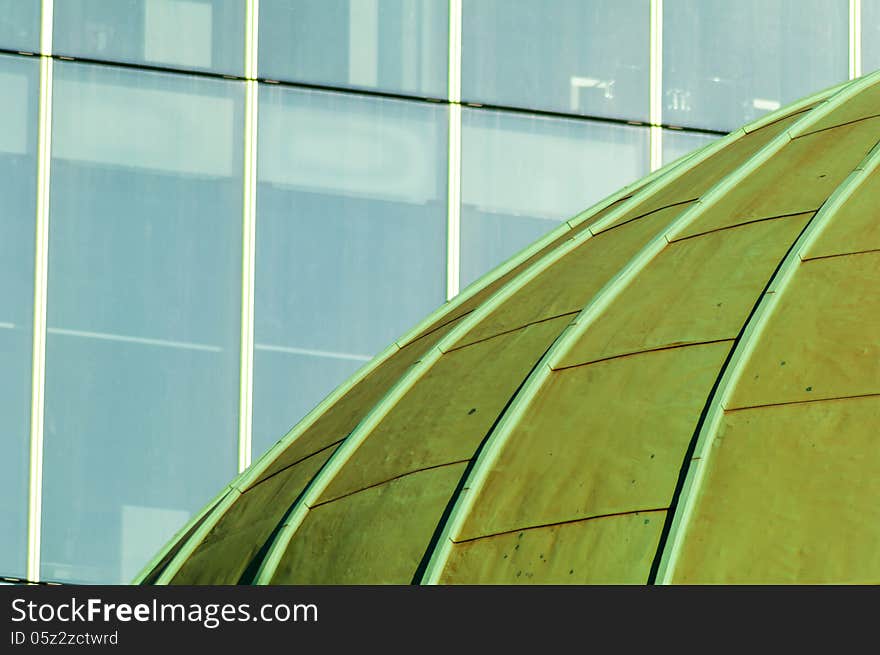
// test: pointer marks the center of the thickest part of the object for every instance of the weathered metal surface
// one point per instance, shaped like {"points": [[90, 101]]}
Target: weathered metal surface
{"points": [[680, 385]]}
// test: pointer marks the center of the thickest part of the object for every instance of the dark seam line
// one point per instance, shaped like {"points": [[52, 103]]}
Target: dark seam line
{"points": [[750, 222], [782, 118], [157, 571], [434, 329], [281, 470], [833, 127], [250, 572], [20, 53], [521, 327], [459, 488], [689, 453], [640, 216], [476, 104], [365, 92], [332, 88], [802, 402], [379, 484], [567, 522], [642, 352], [841, 254], [15, 580], [593, 218], [154, 68]]}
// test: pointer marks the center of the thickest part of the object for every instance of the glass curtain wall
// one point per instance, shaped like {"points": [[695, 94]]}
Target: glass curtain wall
{"points": [[143, 374]]}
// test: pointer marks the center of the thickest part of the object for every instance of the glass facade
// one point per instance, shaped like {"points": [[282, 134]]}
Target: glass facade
{"points": [[142, 354], [727, 63], [352, 210], [202, 35], [20, 25], [522, 175], [20, 81], [570, 56], [352, 149], [678, 143], [399, 46], [870, 35]]}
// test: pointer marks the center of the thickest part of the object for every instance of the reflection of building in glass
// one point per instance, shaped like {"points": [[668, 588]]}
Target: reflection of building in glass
{"points": [[226, 208]]}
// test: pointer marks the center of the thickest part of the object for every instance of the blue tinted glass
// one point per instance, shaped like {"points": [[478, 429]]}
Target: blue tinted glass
{"points": [[192, 34], [575, 56], [20, 25], [351, 240], [142, 362], [19, 79], [523, 175], [392, 45]]}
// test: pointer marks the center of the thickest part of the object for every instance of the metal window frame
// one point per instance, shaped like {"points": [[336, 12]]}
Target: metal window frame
{"points": [[41, 286], [656, 84], [855, 39], [248, 237]]}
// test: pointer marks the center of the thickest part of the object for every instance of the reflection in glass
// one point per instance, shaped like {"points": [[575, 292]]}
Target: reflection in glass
{"points": [[570, 56], [144, 313], [351, 240], [391, 45], [728, 63], [677, 143], [193, 34], [19, 79], [870, 36], [20, 25], [522, 175]]}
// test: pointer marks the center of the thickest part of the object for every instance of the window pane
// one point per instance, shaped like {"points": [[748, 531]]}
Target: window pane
{"points": [[523, 175], [144, 313], [20, 25], [870, 36], [19, 79], [351, 240], [193, 34], [392, 45], [564, 55], [728, 63], [677, 143]]}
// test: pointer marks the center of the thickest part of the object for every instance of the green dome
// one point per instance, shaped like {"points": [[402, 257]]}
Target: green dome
{"points": [[679, 385]]}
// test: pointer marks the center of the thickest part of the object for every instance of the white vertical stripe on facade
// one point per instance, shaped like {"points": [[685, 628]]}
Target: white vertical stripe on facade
{"points": [[453, 200], [855, 39], [249, 209], [41, 285], [248, 239], [656, 84]]}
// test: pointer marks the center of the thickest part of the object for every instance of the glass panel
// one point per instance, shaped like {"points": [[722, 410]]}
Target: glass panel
{"points": [[351, 240], [20, 81], [392, 45], [523, 175], [193, 34], [728, 63], [678, 143], [20, 25], [564, 55], [870, 36], [144, 313]]}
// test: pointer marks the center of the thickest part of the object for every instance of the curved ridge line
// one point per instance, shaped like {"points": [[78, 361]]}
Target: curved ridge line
{"points": [[224, 500], [648, 187], [683, 511], [594, 308], [565, 522], [169, 545]]}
